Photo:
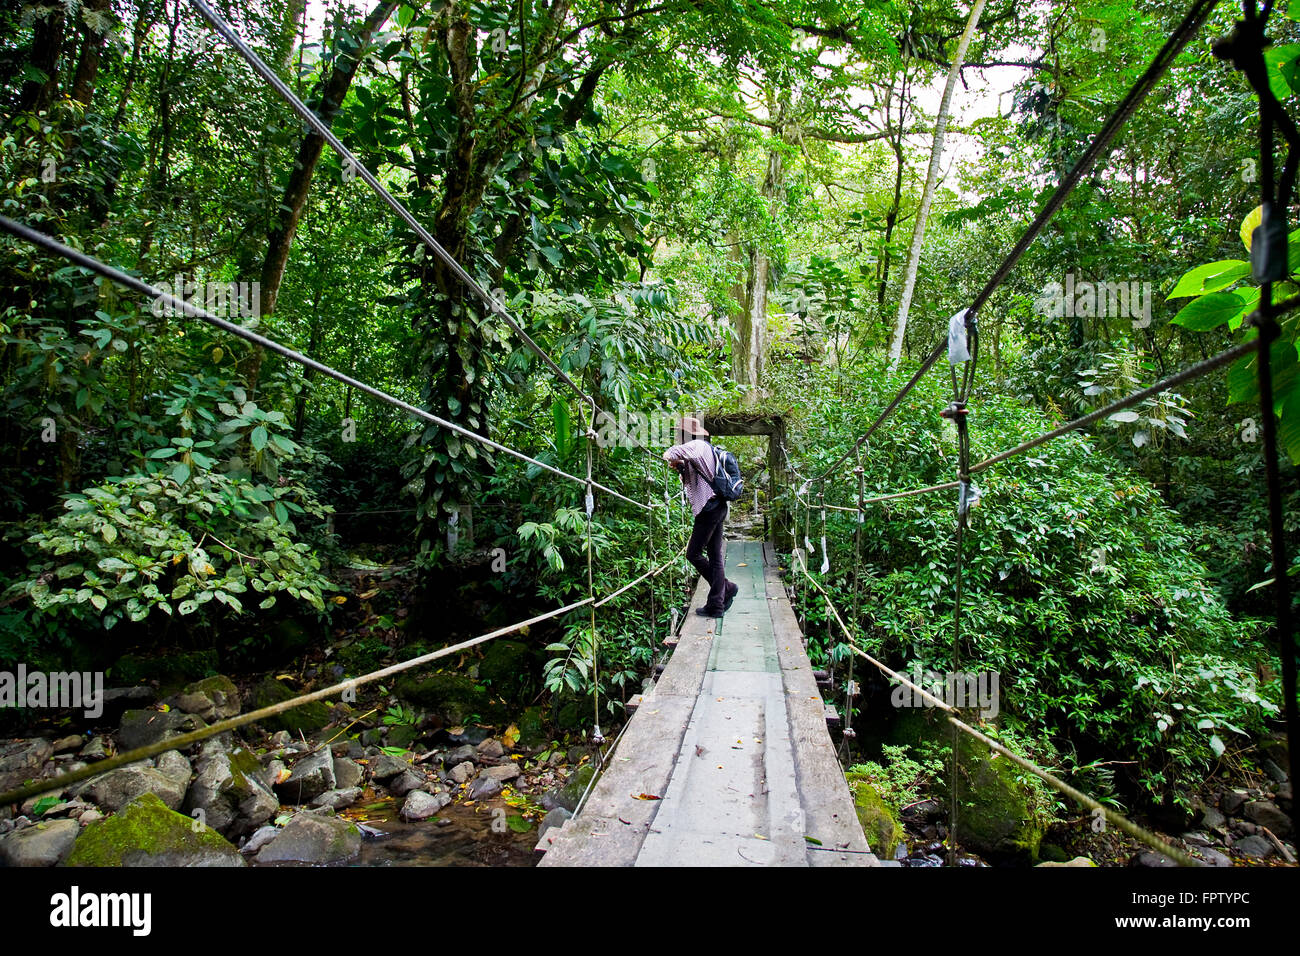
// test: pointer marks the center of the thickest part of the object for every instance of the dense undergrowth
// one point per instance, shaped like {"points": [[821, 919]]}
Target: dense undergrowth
{"points": [[1082, 588]]}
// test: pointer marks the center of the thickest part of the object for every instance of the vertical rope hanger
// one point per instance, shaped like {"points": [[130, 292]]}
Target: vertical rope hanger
{"points": [[807, 549], [597, 737], [825, 569], [654, 555], [963, 349], [850, 688]]}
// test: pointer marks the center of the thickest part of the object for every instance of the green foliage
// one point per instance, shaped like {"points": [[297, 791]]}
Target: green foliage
{"points": [[897, 778], [144, 543], [1080, 586]]}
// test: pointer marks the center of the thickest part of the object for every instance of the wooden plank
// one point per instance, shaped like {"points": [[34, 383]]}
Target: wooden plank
{"points": [[613, 823], [828, 808], [684, 673]]}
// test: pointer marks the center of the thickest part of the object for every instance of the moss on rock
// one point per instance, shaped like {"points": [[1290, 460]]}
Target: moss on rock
{"points": [[575, 786], [997, 816], [304, 718], [146, 833], [363, 655], [507, 666], [532, 727], [879, 822], [451, 697]]}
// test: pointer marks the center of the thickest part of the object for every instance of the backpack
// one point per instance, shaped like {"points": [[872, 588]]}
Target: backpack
{"points": [[726, 482]]}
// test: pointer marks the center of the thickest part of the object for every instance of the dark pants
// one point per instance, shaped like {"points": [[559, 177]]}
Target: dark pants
{"points": [[704, 551]]}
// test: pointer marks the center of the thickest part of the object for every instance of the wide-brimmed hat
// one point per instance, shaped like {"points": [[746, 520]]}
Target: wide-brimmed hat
{"points": [[692, 427]]}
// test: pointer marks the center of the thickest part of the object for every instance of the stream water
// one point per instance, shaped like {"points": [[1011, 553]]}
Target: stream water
{"points": [[468, 838]]}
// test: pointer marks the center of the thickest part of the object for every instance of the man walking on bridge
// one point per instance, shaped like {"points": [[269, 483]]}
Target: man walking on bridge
{"points": [[693, 459]]}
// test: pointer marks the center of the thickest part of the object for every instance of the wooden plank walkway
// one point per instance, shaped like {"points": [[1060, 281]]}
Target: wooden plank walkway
{"points": [[733, 742]]}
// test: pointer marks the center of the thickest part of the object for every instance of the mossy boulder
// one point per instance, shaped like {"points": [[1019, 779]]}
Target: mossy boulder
{"points": [[1051, 853], [452, 697], [363, 655], [573, 789], [532, 727], [402, 735], [213, 698], [576, 715], [880, 823], [508, 667], [303, 718], [146, 833], [997, 816]]}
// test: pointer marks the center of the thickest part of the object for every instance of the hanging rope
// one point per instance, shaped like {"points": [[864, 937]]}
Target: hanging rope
{"points": [[850, 688], [963, 349], [1137, 832], [807, 549], [654, 555], [144, 288], [350, 161], [597, 737]]}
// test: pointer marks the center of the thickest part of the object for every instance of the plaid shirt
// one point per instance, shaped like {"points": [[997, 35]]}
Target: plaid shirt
{"points": [[698, 471]]}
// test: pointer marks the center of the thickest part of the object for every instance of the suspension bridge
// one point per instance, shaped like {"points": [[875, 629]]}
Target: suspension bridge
{"points": [[727, 759]]}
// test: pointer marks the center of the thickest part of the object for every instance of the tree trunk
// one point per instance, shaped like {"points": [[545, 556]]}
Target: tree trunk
{"points": [[47, 46], [931, 179], [280, 238], [92, 47], [750, 317]]}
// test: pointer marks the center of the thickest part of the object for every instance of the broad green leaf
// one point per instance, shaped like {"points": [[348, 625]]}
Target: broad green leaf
{"points": [[257, 438], [563, 432], [1250, 296], [1210, 311], [1282, 69], [1288, 429], [1210, 277]]}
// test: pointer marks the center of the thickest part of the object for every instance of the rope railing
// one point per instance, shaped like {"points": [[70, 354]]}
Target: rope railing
{"points": [[653, 573], [144, 288], [231, 723], [1100, 145], [1191, 372], [260, 67], [1128, 826]]}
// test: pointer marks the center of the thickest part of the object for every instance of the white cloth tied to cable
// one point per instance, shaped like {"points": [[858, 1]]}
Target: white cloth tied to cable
{"points": [[968, 495], [957, 350], [591, 504], [807, 544], [826, 557]]}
